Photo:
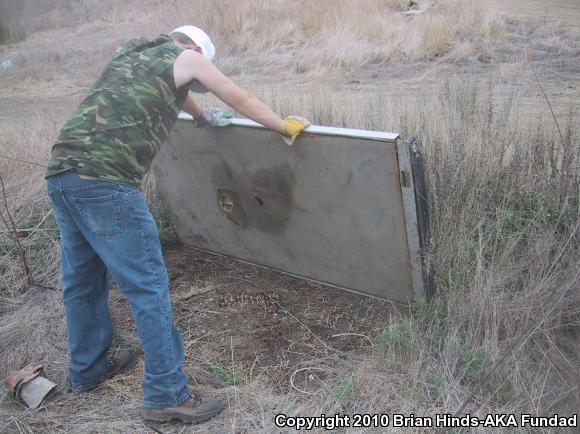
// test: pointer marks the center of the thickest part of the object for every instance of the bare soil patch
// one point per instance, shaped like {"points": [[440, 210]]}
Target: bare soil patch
{"points": [[261, 323]]}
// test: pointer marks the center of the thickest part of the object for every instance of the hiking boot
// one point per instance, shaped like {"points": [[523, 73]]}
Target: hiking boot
{"points": [[119, 360], [194, 410]]}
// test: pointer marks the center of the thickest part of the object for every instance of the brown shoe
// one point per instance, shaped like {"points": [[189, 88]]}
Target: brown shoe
{"points": [[194, 410], [119, 361]]}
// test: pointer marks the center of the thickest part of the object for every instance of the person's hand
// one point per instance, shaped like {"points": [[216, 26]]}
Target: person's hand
{"points": [[294, 125], [214, 117]]}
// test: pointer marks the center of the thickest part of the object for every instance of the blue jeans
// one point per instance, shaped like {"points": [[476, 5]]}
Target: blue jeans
{"points": [[106, 226]]}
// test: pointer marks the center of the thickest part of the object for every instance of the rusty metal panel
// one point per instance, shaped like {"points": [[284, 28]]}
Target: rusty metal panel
{"points": [[331, 208]]}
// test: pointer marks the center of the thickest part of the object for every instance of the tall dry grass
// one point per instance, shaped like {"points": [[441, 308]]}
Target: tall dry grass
{"points": [[504, 212], [505, 215], [299, 40]]}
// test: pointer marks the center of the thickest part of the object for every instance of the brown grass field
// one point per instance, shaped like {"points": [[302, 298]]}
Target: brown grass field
{"points": [[475, 82]]}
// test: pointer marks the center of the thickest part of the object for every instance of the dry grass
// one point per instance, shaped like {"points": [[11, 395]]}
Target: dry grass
{"points": [[313, 38], [504, 212], [504, 209]]}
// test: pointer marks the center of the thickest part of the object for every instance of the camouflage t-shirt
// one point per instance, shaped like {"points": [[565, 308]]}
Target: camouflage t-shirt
{"points": [[118, 128]]}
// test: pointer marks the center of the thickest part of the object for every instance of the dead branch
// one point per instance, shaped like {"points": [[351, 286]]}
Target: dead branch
{"points": [[14, 236], [300, 370]]}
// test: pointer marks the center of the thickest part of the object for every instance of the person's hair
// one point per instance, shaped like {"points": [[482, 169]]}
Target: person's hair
{"points": [[181, 38]]}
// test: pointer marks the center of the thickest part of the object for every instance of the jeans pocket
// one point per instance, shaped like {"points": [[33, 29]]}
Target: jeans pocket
{"points": [[102, 215]]}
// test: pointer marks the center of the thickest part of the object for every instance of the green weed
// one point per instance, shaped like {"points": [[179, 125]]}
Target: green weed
{"points": [[432, 320], [416, 391], [473, 363], [6, 244], [167, 234], [395, 341], [345, 388], [226, 375], [526, 212], [437, 384], [10, 35]]}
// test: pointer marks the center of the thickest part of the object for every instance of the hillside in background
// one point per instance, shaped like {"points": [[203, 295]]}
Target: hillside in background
{"points": [[490, 89]]}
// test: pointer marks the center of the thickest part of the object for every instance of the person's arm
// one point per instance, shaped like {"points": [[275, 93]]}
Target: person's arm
{"points": [[191, 106], [191, 65]]}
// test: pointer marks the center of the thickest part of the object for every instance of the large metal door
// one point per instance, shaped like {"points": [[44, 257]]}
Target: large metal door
{"points": [[338, 207]]}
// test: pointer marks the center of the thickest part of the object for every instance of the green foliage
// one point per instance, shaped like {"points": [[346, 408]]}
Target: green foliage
{"points": [[473, 363], [39, 240], [6, 244], [473, 367], [10, 35], [345, 388], [37, 256], [416, 391], [167, 234], [509, 225], [431, 318], [524, 213], [395, 341], [526, 210], [437, 384], [226, 375]]}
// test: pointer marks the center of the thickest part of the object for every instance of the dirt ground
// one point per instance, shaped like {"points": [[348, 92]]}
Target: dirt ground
{"points": [[562, 11], [265, 323], [244, 328]]}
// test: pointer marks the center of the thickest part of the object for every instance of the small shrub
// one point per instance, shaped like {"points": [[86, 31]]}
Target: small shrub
{"points": [[395, 341], [526, 209], [416, 391], [473, 363], [437, 385], [6, 244], [10, 35], [432, 320], [518, 220], [227, 375], [167, 234]]}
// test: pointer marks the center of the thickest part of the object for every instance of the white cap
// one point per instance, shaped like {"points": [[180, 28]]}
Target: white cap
{"points": [[199, 38]]}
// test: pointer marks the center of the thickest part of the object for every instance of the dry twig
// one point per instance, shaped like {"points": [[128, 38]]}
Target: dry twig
{"points": [[14, 236], [548, 101], [300, 370], [355, 334]]}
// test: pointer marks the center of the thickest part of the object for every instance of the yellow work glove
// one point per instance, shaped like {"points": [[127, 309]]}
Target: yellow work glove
{"points": [[294, 125]]}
